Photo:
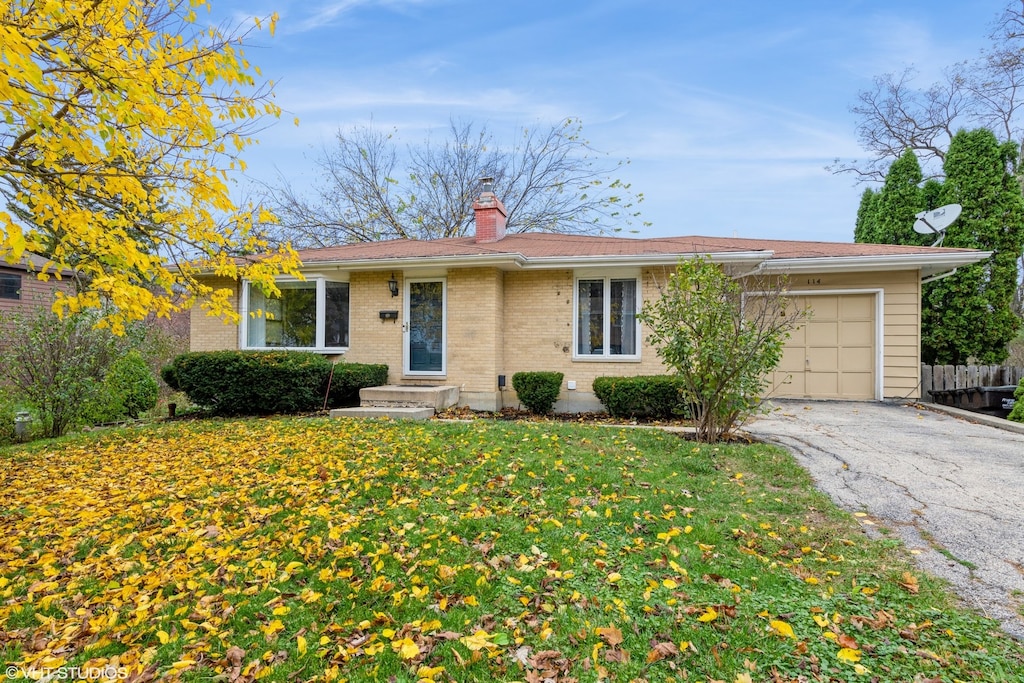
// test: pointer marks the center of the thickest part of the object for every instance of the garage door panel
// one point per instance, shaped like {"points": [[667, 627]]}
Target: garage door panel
{"points": [[792, 360], [856, 306], [857, 333], [798, 334], [786, 384], [822, 333], [858, 384], [855, 360], [822, 359], [822, 384], [824, 307]]}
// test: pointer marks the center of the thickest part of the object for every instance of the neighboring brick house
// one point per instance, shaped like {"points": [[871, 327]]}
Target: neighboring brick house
{"points": [[22, 290], [472, 311]]}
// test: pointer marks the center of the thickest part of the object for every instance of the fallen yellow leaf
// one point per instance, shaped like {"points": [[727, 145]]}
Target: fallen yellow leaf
{"points": [[709, 615], [782, 628], [480, 640]]}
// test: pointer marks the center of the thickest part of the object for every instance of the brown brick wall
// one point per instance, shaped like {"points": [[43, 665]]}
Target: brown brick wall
{"points": [[35, 293]]}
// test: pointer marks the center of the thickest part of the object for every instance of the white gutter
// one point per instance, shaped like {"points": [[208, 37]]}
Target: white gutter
{"points": [[940, 276], [928, 264], [518, 261], [513, 260]]}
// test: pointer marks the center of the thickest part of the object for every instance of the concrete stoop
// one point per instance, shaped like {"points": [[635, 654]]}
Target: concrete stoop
{"points": [[401, 402]]}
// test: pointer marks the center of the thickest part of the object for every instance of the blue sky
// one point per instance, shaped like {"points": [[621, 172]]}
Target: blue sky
{"points": [[728, 112]]}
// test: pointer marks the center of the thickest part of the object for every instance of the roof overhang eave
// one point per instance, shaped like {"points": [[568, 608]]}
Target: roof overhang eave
{"points": [[515, 261], [507, 261], [929, 265]]}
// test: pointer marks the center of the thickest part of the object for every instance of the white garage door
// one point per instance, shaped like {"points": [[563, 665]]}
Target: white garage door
{"points": [[832, 354]]}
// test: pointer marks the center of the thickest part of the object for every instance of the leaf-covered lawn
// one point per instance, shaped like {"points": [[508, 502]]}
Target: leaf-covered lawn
{"points": [[294, 550]]}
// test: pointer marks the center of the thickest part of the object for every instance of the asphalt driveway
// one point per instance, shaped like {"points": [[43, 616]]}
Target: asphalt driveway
{"points": [[953, 490]]}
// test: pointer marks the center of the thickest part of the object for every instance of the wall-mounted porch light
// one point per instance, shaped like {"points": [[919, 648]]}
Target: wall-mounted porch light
{"points": [[393, 285]]}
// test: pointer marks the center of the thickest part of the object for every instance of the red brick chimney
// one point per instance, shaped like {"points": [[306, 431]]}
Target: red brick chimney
{"points": [[490, 214]]}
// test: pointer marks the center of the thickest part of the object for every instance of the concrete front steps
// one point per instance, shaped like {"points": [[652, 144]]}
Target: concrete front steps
{"points": [[401, 402]]}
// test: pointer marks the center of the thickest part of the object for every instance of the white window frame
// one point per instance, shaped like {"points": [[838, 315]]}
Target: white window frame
{"points": [[320, 282], [606, 276]]}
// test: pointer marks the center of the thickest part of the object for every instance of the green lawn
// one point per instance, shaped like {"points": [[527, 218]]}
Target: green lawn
{"points": [[314, 549]]}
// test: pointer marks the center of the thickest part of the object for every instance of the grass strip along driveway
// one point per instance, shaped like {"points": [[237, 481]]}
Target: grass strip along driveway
{"points": [[309, 549]]}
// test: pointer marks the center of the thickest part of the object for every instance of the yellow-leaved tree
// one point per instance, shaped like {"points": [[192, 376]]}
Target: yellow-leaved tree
{"points": [[121, 121]]}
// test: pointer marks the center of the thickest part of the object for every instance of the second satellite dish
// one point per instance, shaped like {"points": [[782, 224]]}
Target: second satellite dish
{"points": [[937, 220]]}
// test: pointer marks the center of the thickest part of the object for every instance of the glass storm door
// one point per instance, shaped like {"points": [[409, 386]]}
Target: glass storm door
{"points": [[425, 329]]}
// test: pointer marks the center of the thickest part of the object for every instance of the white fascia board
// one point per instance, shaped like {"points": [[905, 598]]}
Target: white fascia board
{"points": [[411, 262], [928, 264], [518, 261]]}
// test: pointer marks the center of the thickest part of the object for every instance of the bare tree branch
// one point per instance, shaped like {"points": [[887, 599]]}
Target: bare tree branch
{"points": [[549, 180]]}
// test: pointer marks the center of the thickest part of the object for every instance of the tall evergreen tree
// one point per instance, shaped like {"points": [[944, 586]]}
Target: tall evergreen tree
{"points": [[969, 315], [899, 200], [866, 229]]}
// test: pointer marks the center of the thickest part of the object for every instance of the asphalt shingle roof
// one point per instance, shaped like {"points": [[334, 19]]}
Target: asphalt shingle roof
{"points": [[551, 245]]}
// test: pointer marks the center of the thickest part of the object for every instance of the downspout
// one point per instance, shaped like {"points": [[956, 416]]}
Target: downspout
{"points": [[757, 269], [940, 276]]}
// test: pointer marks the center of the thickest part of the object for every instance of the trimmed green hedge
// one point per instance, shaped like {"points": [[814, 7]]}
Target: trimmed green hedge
{"points": [[538, 391], [349, 378], [267, 382], [644, 396]]}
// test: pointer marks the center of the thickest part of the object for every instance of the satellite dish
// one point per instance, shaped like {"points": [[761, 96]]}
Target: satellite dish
{"points": [[936, 221]]}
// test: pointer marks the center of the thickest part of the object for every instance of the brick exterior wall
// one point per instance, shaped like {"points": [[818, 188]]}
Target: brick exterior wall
{"points": [[371, 339], [500, 323], [539, 335], [210, 333], [476, 334], [489, 218], [35, 293]]}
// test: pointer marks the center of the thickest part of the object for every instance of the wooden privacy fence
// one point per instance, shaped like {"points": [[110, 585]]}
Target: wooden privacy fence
{"points": [[946, 377]]}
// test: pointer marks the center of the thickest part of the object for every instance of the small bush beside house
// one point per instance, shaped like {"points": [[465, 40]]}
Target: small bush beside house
{"points": [[349, 378], [267, 382], [655, 397], [131, 386], [538, 391], [250, 382]]}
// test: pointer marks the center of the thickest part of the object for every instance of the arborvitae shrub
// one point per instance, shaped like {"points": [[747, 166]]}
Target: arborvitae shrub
{"points": [[538, 391], [130, 387]]}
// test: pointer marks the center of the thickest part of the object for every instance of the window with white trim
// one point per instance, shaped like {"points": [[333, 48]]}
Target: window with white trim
{"points": [[606, 325], [311, 316]]}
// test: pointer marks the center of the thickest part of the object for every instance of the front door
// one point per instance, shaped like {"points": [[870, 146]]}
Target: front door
{"points": [[425, 327]]}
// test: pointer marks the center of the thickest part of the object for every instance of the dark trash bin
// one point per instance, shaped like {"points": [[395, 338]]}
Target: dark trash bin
{"points": [[997, 401]]}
